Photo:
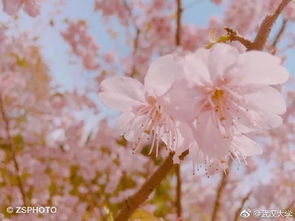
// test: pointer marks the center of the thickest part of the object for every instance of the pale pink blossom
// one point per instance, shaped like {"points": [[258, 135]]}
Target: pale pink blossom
{"points": [[146, 115], [218, 2], [110, 57], [31, 7], [113, 7], [82, 44], [239, 11], [234, 97], [289, 12]]}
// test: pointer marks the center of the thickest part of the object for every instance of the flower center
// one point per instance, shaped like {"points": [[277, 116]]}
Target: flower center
{"points": [[218, 95], [156, 124], [218, 100]]}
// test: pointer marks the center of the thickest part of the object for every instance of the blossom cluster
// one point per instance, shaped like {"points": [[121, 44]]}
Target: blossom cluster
{"points": [[82, 44], [31, 7], [208, 101]]}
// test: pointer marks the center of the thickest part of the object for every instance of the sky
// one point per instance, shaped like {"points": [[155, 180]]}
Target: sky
{"points": [[57, 52], [64, 67]]}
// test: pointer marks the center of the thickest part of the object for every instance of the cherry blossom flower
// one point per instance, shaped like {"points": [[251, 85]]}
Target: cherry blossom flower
{"points": [[217, 1], [234, 97], [237, 17], [146, 113], [31, 7], [113, 7], [289, 12], [82, 43]]}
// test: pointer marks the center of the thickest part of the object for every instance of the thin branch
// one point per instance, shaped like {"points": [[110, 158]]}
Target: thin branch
{"points": [[289, 207], [13, 151], [178, 192], [135, 49], [137, 36], [133, 202], [220, 190], [129, 10], [263, 32], [239, 210], [234, 36], [266, 26], [178, 203], [279, 34], [137, 29], [179, 11]]}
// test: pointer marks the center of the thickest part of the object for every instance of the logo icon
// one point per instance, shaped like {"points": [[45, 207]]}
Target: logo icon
{"points": [[245, 213]]}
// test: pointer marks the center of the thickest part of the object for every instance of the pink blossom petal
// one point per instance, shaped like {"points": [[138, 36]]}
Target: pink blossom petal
{"points": [[124, 121], [11, 7], [267, 99], [195, 67], [32, 7], [245, 146], [122, 93], [162, 73], [209, 137], [178, 97], [261, 68], [128, 125], [185, 139], [266, 120], [222, 58]]}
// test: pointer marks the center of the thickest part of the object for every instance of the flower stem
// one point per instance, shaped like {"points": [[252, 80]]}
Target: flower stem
{"points": [[239, 210], [220, 190], [178, 192], [279, 34], [133, 202], [178, 205], [179, 11]]}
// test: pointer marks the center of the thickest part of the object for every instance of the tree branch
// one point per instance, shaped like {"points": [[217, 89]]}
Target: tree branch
{"points": [[13, 151], [263, 32], [266, 27], [220, 190], [179, 11], [133, 202], [178, 203], [279, 34], [136, 38], [234, 36], [239, 210]]}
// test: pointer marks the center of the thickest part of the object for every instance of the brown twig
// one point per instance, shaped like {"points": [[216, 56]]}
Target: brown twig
{"points": [[279, 34], [178, 194], [289, 207], [266, 26], [263, 32], [179, 11], [137, 29], [234, 36], [13, 151], [133, 202], [136, 38], [239, 210], [220, 189]]}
